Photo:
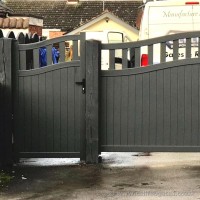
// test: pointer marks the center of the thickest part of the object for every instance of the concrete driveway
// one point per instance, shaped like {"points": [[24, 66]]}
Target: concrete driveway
{"points": [[121, 176]]}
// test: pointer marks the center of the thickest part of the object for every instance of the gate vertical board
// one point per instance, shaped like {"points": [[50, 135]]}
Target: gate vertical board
{"points": [[5, 102], [93, 64]]}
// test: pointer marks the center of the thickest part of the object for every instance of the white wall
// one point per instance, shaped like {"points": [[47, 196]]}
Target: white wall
{"points": [[16, 31]]}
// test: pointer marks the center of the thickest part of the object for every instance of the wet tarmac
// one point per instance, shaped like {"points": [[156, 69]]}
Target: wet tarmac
{"points": [[122, 176]]}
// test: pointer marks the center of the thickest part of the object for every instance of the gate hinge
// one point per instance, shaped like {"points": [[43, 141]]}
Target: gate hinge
{"points": [[83, 85]]}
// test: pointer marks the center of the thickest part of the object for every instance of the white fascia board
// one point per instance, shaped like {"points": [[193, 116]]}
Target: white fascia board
{"points": [[103, 16]]}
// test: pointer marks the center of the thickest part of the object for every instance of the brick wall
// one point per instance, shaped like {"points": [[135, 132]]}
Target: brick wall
{"points": [[54, 34], [35, 29]]}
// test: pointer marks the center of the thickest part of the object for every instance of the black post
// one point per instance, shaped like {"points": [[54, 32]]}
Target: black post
{"points": [[5, 102], [83, 110], [15, 99], [93, 65]]}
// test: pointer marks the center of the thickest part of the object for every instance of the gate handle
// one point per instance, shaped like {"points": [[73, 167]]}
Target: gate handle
{"points": [[83, 85]]}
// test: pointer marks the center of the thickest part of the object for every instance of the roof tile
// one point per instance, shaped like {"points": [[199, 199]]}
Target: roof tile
{"points": [[67, 17]]}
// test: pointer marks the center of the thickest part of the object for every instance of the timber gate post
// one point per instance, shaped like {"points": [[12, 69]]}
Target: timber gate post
{"points": [[93, 66], [5, 102]]}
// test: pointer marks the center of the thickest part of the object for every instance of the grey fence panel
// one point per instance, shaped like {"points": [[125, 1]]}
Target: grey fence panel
{"points": [[49, 103], [158, 108], [5, 102]]}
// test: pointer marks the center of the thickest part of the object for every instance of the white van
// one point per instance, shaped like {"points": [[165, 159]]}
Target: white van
{"points": [[108, 37], [167, 17]]}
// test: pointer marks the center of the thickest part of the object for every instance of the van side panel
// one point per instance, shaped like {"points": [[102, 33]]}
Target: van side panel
{"points": [[169, 20]]}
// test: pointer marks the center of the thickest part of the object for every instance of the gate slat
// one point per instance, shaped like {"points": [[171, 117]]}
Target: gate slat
{"points": [[71, 109], [175, 49], [138, 110], [167, 87], [110, 110], [188, 105], [28, 113], [22, 57], [20, 121], [117, 110], [36, 58], [103, 109], [131, 110], [78, 93], [64, 110], [62, 51], [49, 112], [162, 52], [75, 50], [181, 105], [150, 54], [132, 57], [153, 108], [112, 59], [124, 59], [146, 108], [160, 107], [35, 111], [56, 109], [198, 47], [195, 105], [42, 113], [188, 48], [49, 54], [174, 106], [137, 57], [124, 111]]}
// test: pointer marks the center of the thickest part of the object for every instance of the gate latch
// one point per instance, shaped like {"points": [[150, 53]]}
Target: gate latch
{"points": [[83, 85]]}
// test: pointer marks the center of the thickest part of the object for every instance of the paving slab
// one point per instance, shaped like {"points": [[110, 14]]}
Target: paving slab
{"points": [[121, 176]]}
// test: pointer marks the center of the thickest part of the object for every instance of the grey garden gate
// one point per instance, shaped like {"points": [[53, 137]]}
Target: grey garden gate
{"points": [[48, 102], [53, 111]]}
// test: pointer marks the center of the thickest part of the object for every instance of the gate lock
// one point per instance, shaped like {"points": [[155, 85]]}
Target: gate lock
{"points": [[83, 85]]}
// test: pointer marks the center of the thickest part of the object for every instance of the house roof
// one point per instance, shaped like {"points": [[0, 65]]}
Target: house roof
{"points": [[67, 17], [105, 15], [4, 9]]}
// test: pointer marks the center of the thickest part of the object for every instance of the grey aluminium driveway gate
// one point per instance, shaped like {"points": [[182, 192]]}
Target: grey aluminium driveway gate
{"points": [[151, 109], [155, 108], [139, 109]]}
